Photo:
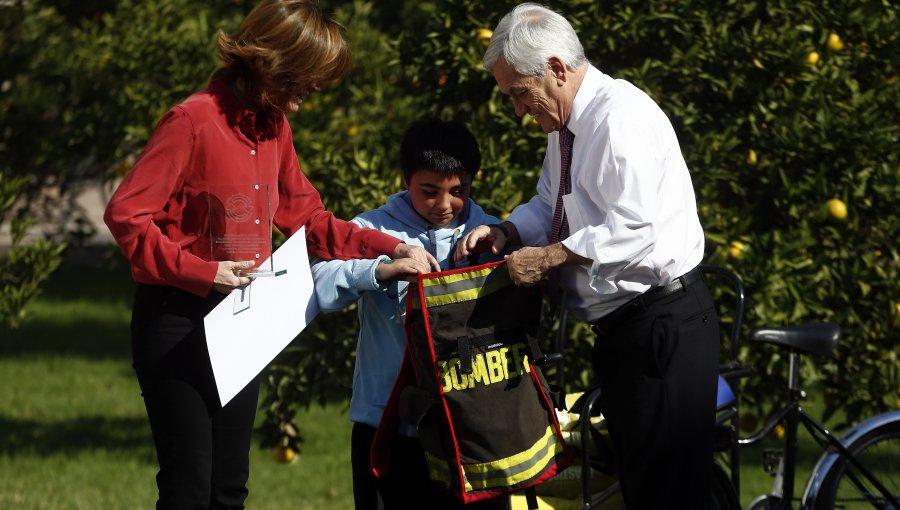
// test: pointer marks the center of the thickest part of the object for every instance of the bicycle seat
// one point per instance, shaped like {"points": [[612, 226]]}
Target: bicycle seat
{"points": [[815, 338]]}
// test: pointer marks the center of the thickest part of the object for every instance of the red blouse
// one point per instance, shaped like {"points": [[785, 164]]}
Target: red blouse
{"points": [[159, 215]]}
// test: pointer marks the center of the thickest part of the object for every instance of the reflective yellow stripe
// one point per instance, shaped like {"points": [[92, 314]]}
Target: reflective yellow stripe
{"points": [[524, 476], [466, 295], [453, 278], [530, 462], [500, 473], [461, 287], [513, 460]]}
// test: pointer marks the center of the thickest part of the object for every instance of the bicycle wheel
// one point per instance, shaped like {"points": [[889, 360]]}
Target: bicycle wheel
{"points": [[844, 487]]}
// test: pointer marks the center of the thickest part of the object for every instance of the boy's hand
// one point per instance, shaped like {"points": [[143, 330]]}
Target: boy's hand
{"points": [[482, 238], [406, 269], [418, 253]]}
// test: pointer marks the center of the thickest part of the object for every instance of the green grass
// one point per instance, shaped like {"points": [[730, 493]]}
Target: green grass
{"points": [[756, 482], [74, 433], [73, 430]]}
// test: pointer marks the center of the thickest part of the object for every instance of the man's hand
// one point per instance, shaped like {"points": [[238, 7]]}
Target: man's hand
{"points": [[404, 250], [400, 269], [527, 266], [482, 238], [227, 278]]}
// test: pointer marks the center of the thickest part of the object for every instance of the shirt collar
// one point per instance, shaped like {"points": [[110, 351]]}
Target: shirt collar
{"points": [[593, 80], [262, 126]]}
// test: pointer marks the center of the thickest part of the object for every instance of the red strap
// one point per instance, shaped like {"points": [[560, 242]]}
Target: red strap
{"points": [[390, 419]]}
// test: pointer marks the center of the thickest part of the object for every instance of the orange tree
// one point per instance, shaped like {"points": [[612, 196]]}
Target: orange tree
{"points": [[787, 114], [81, 86]]}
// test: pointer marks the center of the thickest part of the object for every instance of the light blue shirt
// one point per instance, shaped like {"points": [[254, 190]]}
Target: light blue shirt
{"points": [[382, 308]]}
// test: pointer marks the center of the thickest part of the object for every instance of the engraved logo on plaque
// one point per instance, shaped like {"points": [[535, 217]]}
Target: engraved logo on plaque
{"points": [[239, 207]]}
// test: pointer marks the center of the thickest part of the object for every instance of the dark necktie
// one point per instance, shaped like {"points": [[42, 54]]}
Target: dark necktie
{"points": [[559, 230]]}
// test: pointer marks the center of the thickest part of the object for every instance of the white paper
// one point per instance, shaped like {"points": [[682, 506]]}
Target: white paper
{"points": [[241, 298], [242, 342]]}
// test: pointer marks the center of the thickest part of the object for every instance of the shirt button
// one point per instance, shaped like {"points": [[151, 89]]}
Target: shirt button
{"points": [[257, 222], [257, 255], [253, 152], [256, 186]]}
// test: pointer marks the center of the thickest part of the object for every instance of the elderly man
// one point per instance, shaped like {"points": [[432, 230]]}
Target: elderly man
{"points": [[615, 223]]}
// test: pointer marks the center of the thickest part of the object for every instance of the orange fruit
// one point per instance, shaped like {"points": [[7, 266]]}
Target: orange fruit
{"points": [[285, 454], [837, 209], [484, 36], [778, 431], [834, 42]]}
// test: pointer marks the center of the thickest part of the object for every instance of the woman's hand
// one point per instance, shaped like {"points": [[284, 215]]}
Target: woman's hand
{"points": [[227, 278], [404, 250], [400, 269]]}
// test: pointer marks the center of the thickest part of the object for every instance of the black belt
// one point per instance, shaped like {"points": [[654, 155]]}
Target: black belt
{"points": [[606, 323]]}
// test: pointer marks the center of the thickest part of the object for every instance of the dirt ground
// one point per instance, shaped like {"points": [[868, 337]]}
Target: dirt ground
{"points": [[52, 212]]}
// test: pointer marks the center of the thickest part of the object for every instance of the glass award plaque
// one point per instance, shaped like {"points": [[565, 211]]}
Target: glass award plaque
{"points": [[240, 227]]}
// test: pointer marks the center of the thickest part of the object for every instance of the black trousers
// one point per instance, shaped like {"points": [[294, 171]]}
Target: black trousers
{"points": [[202, 448], [658, 373], [408, 485]]}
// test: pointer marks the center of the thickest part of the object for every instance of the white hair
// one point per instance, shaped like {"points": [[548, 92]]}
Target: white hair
{"points": [[528, 36]]}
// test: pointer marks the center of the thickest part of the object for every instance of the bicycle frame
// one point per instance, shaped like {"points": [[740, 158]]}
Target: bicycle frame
{"points": [[792, 415], [829, 458], [805, 339]]}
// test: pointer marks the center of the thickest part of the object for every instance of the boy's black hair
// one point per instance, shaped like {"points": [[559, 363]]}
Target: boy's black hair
{"points": [[445, 147]]}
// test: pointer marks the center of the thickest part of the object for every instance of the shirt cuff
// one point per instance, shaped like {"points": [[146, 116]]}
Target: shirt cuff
{"points": [[198, 277], [364, 275], [601, 281], [380, 243]]}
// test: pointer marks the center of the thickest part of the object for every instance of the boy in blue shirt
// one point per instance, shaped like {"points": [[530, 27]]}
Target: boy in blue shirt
{"points": [[438, 160]]}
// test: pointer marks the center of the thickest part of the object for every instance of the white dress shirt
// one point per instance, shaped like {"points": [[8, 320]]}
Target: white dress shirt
{"points": [[632, 209]]}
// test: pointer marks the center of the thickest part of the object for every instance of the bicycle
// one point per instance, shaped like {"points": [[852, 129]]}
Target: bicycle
{"points": [[860, 469]]}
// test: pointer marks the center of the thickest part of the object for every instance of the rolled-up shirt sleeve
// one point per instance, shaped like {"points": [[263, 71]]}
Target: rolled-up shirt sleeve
{"points": [[340, 283], [629, 174], [631, 211]]}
